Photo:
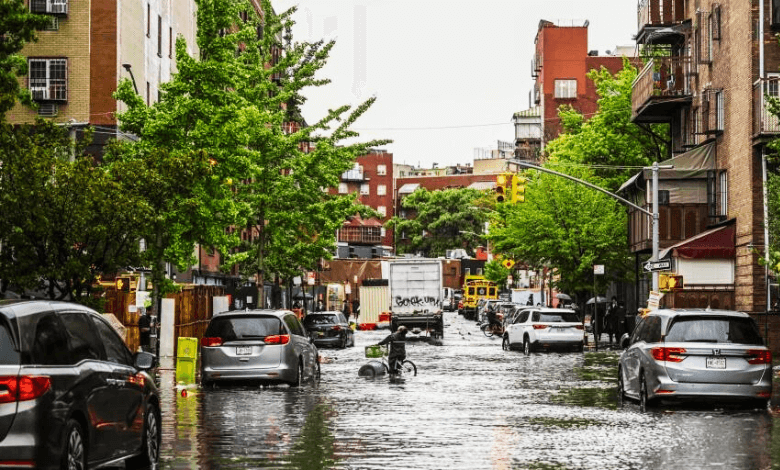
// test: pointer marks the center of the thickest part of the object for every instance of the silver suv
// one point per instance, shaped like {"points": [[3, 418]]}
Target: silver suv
{"points": [[257, 345], [679, 354]]}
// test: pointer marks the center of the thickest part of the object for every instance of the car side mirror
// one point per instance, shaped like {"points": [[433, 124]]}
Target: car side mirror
{"points": [[624, 341], [144, 360]]}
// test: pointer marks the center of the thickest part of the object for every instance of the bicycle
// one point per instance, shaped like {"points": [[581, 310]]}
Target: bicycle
{"points": [[405, 367]]}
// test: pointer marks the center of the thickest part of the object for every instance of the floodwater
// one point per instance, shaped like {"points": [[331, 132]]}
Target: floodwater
{"points": [[471, 406]]}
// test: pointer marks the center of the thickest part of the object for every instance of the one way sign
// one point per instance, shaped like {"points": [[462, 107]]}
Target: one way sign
{"points": [[663, 265]]}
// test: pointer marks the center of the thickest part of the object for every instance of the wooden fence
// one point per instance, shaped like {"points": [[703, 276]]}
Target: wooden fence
{"points": [[193, 310]]}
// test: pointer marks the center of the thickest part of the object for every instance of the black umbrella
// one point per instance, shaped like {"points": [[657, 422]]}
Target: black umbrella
{"points": [[561, 296], [598, 299], [300, 296]]}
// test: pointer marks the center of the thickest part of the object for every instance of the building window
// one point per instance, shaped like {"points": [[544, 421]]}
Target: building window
{"points": [[148, 93], [48, 79], [381, 170], [159, 36], [148, 20], [170, 43], [382, 211], [49, 6], [381, 190], [53, 24], [565, 88], [723, 200], [365, 189], [343, 189]]}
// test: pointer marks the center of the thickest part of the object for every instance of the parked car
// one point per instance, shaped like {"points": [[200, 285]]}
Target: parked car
{"points": [[695, 354], [264, 346], [513, 312], [542, 327], [72, 395], [329, 329]]}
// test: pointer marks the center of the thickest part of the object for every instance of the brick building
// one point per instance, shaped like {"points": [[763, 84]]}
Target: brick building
{"points": [[89, 46], [559, 67], [707, 80]]}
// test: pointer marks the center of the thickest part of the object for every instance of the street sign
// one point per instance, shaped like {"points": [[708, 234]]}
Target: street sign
{"points": [[663, 265]]}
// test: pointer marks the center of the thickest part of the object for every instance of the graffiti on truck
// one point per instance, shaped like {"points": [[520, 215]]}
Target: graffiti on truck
{"points": [[416, 301]]}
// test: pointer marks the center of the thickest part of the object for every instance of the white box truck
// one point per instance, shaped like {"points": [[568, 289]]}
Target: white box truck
{"points": [[416, 295]]}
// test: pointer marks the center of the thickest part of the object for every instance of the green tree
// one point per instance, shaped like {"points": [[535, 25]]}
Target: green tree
{"points": [[222, 121], [495, 271], [441, 220]]}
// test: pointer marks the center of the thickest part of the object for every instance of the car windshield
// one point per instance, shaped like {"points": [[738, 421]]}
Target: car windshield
{"points": [[244, 327], [320, 320], [562, 317], [714, 330]]}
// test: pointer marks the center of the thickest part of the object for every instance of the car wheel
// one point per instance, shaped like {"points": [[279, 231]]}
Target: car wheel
{"points": [[299, 376], [344, 341], [644, 401], [75, 455], [621, 388], [150, 450], [505, 343], [526, 346]]}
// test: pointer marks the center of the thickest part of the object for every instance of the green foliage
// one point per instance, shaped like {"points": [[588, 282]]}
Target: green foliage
{"points": [[441, 220], [63, 222], [497, 272], [17, 27], [216, 155]]}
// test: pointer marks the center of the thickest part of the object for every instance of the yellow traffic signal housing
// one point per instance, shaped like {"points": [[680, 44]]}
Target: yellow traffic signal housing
{"points": [[504, 187], [518, 188], [670, 282]]}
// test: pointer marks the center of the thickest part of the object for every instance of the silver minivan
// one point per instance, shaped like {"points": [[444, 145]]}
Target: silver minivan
{"points": [[695, 353], [264, 346]]}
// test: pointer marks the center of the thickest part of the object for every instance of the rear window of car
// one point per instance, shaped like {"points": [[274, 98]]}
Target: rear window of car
{"points": [[562, 317], [320, 319], [8, 355], [244, 327], [714, 330]]}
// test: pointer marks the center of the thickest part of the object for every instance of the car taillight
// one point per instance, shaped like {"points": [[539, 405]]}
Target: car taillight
{"points": [[759, 356], [540, 327], [26, 387], [579, 327], [210, 342], [277, 339], [336, 328], [664, 354]]}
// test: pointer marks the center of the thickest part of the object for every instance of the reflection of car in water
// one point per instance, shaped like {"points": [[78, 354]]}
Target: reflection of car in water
{"points": [[695, 354]]}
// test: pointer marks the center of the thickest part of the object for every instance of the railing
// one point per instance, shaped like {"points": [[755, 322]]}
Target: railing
{"points": [[765, 122], [663, 77], [659, 12], [365, 235]]}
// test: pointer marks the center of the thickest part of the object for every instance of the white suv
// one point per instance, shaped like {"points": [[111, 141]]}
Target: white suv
{"points": [[542, 327]]}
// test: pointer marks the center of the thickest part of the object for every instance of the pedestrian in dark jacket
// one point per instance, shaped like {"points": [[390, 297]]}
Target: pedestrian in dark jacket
{"points": [[397, 343], [145, 331], [345, 311]]}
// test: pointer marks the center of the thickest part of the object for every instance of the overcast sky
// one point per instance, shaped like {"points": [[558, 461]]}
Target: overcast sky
{"points": [[447, 74]]}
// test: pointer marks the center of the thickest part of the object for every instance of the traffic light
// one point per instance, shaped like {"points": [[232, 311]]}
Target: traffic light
{"points": [[670, 282], [504, 187], [518, 189], [508, 263], [123, 284]]}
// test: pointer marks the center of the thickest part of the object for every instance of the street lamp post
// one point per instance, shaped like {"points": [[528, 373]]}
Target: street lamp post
{"points": [[132, 77]]}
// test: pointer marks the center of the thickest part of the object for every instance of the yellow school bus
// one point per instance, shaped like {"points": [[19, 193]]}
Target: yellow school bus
{"points": [[474, 289]]}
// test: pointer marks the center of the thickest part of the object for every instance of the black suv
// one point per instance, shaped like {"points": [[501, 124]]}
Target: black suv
{"points": [[72, 395]]}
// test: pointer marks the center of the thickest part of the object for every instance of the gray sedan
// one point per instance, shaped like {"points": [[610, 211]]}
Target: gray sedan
{"points": [[685, 354], [259, 346]]}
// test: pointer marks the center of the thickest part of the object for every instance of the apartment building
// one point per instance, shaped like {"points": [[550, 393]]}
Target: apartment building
{"points": [[559, 68], [89, 46], [711, 65]]}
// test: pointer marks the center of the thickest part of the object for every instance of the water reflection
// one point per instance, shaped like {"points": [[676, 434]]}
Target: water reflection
{"points": [[314, 449]]}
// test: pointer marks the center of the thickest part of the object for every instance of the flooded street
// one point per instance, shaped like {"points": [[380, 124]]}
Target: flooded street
{"points": [[472, 405]]}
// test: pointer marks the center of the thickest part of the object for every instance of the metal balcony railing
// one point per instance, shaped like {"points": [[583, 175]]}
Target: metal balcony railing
{"points": [[765, 122], [659, 13], [662, 79]]}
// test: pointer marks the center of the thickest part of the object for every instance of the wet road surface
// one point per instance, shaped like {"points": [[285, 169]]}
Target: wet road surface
{"points": [[471, 406]]}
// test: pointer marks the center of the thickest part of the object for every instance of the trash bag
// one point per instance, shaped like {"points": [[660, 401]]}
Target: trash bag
{"points": [[372, 369]]}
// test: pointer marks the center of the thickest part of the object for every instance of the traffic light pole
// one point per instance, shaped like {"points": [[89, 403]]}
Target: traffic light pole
{"points": [[653, 215]]}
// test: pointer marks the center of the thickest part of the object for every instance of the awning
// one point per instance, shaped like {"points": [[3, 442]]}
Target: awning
{"points": [[717, 242], [691, 164], [408, 188], [482, 185]]}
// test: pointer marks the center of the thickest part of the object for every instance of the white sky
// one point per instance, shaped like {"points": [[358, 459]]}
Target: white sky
{"points": [[448, 74]]}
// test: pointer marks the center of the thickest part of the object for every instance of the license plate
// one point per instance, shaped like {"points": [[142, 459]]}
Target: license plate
{"points": [[243, 350], [320, 333], [716, 362]]}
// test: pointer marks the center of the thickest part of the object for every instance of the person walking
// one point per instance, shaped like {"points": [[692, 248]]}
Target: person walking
{"points": [[397, 343], [345, 310], [145, 331], [355, 309], [612, 323]]}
